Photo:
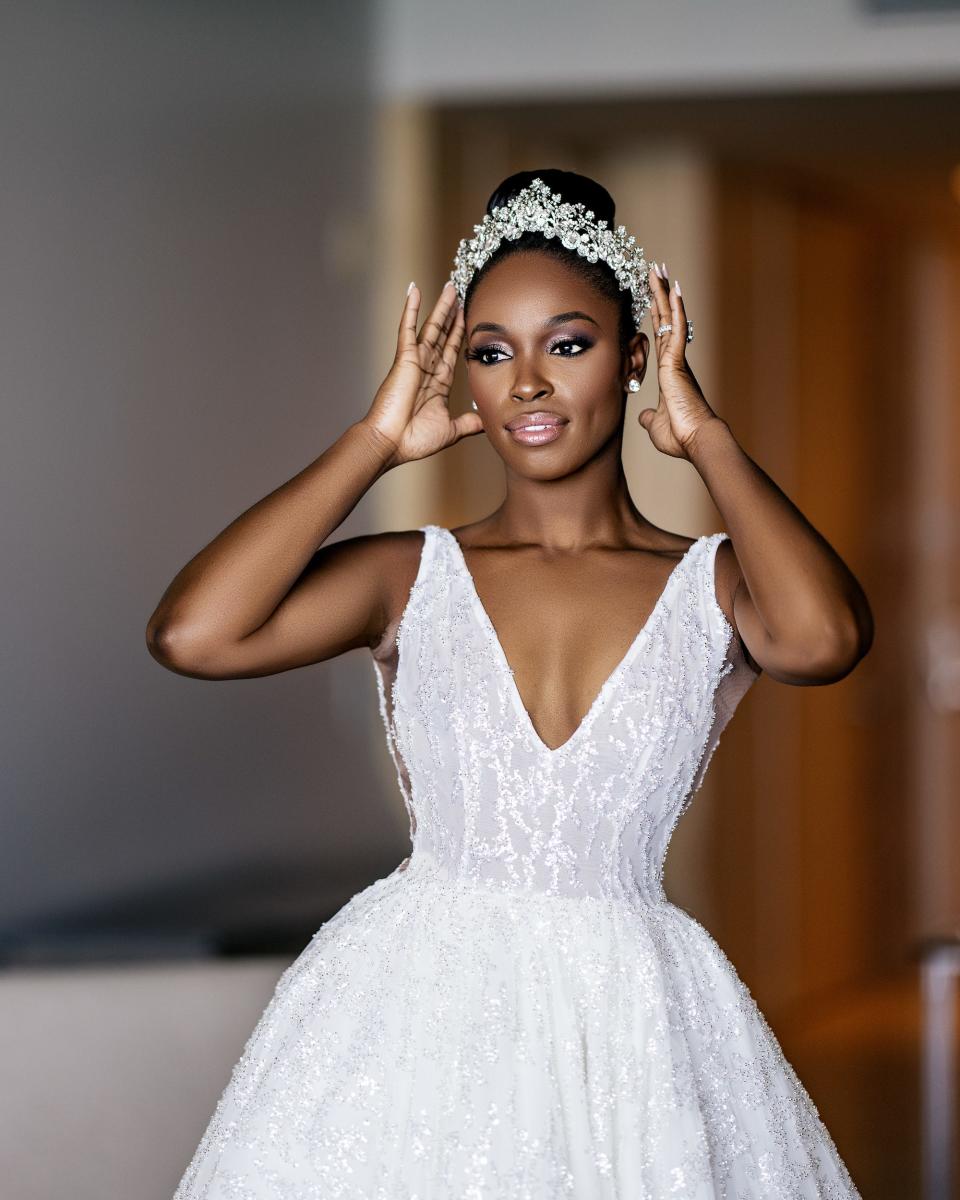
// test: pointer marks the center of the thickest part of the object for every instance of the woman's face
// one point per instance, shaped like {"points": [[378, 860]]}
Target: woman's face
{"points": [[541, 342]]}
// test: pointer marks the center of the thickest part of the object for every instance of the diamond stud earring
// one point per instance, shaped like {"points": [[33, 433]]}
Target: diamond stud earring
{"points": [[634, 385], [474, 403]]}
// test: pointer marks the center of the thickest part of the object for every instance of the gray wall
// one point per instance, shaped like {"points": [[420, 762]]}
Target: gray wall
{"points": [[183, 223]]}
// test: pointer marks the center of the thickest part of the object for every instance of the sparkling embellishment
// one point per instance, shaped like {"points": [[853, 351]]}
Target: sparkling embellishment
{"points": [[517, 1011], [536, 209]]}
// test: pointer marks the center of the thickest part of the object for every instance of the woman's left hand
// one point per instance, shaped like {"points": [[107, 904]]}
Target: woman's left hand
{"points": [[682, 408]]}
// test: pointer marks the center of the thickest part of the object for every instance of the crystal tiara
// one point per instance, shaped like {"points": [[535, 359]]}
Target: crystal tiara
{"points": [[536, 209]]}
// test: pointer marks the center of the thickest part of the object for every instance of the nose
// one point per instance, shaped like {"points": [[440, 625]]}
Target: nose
{"points": [[528, 385]]}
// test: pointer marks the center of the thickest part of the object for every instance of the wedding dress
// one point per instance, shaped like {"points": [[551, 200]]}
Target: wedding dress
{"points": [[517, 1011]]}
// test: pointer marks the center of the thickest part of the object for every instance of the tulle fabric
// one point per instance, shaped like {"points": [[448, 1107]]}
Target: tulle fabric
{"points": [[440, 1041], [518, 1012]]}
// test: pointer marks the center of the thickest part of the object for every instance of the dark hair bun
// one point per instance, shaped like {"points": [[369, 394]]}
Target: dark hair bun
{"points": [[573, 189]]}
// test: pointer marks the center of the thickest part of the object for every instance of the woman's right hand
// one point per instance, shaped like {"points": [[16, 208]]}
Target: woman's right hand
{"points": [[410, 407]]}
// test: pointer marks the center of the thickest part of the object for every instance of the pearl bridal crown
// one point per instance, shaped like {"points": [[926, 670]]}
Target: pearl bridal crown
{"points": [[536, 209]]}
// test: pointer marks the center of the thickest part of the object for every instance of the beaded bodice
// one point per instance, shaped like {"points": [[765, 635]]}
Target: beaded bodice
{"points": [[490, 804]]}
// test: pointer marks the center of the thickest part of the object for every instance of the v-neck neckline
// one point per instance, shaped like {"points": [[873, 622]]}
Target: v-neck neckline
{"points": [[608, 684]]}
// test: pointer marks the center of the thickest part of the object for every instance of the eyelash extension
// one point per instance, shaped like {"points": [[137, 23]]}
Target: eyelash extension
{"points": [[580, 341]]}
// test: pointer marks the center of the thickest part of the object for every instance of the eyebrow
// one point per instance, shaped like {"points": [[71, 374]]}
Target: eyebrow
{"points": [[573, 315]]}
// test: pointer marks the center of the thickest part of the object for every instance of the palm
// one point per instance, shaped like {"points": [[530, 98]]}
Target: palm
{"points": [[660, 429], [411, 405], [681, 406]]}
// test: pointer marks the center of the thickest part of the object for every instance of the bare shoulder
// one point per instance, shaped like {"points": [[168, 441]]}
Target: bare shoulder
{"points": [[674, 545], [388, 561], [386, 548], [399, 554], [479, 534], [665, 544]]}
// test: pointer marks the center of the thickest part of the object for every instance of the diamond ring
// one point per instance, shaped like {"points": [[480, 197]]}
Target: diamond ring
{"points": [[666, 329]]}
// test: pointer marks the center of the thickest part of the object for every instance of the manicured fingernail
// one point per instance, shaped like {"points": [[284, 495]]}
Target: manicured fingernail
{"points": [[410, 286], [658, 271], [666, 273], [676, 284]]}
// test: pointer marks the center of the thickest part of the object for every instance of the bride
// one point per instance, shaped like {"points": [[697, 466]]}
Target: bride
{"points": [[518, 1010]]}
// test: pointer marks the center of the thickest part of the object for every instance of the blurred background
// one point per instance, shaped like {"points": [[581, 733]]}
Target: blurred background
{"points": [[208, 218]]}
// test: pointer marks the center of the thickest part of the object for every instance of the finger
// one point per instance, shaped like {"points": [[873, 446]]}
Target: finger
{"points": [[449, 321], [466, 424], [433, 329], [676, 338], [433, 355], [454, 338], [407, 335], [438, 351], [659, 306], [667, 314]]}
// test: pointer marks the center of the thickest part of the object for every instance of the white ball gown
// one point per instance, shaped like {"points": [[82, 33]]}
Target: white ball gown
{"points": [[517, 1011]]}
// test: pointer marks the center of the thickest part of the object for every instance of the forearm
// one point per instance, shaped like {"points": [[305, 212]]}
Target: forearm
{"points": [[801, 589], [232, 586]]}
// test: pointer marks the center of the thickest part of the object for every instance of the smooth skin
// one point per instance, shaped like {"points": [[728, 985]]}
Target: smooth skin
{"points": [[567, 568]]}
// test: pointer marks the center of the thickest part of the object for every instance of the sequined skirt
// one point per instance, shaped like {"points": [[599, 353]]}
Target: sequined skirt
{"points": [[437, 1041]]}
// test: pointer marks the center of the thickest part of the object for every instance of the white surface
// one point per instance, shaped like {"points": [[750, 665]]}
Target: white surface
{"points": [[110, 1074], [551, 48]]}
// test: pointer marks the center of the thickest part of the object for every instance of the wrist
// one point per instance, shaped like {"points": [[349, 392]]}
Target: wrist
{"points": [[382, 447], [707, 434]]}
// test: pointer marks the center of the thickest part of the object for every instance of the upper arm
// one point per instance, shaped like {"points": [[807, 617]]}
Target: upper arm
{"points": [[344, 599], [763, 652]]}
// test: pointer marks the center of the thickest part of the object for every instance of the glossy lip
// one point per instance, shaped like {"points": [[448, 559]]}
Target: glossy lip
{"points": [[535, 418], [528, 436]]}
